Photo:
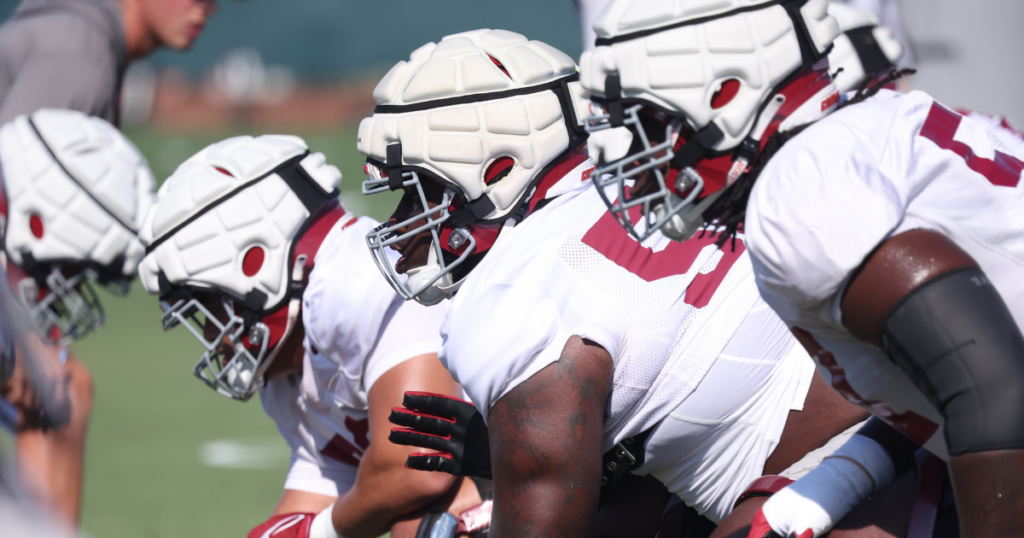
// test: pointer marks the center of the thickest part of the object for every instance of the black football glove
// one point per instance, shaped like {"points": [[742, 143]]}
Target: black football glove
{"points": [[450, 425]]}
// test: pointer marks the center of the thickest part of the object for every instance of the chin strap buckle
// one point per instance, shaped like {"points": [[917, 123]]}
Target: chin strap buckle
{"points": [[394, 164], [613, 93], [625, 456], [252, 307], [475, 211]]}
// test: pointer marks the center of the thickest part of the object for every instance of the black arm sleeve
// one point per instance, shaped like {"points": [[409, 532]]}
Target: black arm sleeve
{"points": [[956, 338]]}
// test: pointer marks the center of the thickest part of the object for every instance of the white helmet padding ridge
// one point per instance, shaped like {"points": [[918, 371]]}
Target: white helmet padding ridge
{"points": [[863, 49], [230, 242], [708, 71], [449, 115], [77, 192]]}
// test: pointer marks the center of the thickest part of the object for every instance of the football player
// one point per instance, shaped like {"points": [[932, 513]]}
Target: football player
{"points": [[73, 192], [250, 249], [867, 233], [572, 339]]}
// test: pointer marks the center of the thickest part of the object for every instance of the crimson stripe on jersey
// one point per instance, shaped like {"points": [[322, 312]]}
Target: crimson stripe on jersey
{"points": [[918, 428], [941, 126], [359, 429], [609, 239], [340, 449]]}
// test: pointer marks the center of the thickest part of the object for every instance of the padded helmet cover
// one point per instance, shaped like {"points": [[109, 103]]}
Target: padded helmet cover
{"points": [[457, 140], [845, 56], [675, 55], [87, 185], [215, 208]]}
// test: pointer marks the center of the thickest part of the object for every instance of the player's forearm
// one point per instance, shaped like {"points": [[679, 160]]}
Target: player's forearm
{"points": [[383, 492]]}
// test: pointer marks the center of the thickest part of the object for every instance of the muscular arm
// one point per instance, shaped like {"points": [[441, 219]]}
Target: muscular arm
{"points": [[546, 446], [384, 488], [960, 344], [893, 270]]}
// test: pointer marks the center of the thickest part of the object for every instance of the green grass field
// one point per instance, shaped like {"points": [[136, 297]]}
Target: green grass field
{"points": [[152, 420]]}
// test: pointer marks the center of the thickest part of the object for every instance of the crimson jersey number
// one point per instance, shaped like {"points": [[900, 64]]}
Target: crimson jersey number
{"points": [[940, 127], [609, 239], [340, 449]]}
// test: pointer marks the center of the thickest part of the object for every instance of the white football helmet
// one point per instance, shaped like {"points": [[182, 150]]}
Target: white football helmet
{"points": [[229, 244], [863, 50], [469, 128], [699, 84], [76, 192]]}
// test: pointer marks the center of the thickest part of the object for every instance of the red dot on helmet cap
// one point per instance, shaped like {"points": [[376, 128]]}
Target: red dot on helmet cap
{"points": [[35, 223], [223, 171], [252, 261], [725, 94]]}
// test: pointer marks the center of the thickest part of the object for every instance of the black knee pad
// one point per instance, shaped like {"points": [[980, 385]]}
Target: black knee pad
{"points": [[955, 337]]}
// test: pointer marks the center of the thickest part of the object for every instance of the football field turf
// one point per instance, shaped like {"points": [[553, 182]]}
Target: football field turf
{"points": [[166, 456]]}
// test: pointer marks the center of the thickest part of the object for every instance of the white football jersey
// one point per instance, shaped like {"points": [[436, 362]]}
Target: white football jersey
{"points": [[663, 310], [357, 328], [863, 174]]}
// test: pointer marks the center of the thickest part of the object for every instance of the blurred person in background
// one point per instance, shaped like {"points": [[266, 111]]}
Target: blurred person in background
{"points": [[73, 53], [251, 250], [73, 192], [19, 512]]}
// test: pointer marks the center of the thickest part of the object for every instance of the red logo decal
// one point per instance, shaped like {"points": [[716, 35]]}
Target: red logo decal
{"points": [[830, 101], [586, 173]]}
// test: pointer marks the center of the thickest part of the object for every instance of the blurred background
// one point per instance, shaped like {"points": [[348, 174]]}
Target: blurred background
{"points": [[169, 458]]}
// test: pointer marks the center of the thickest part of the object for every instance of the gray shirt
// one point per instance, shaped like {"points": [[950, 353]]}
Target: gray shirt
{"points": [[62, 54]]}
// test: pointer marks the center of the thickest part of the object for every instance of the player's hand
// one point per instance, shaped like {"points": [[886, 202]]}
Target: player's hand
{"points": [[449, 425], [759, 527]]}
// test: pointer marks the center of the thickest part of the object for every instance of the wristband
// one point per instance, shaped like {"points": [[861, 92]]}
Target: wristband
{"points": [[821, 498], [323, 525]]}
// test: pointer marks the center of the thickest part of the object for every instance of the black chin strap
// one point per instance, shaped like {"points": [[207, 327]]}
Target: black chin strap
{"points": [[394, 164], [476, 211], [698, 146], [252, 308], [613, 92]]}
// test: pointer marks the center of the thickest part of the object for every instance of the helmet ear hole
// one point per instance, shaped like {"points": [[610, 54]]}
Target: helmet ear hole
{"points": [[725, 93], [35, 224], [498, 170], [253, 261]]}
